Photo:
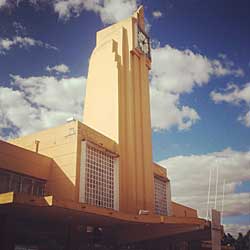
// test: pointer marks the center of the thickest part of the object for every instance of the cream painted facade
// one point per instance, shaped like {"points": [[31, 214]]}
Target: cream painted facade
{"points": [[64, 145], [116, 117], [117, 104], [100, 173], [116, 121]]}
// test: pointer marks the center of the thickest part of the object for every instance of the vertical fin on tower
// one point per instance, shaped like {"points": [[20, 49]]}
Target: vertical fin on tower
{"points": [[139, 14]]}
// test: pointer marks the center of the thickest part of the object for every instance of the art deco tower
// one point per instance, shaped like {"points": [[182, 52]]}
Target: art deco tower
{"points": [[117, 104]]}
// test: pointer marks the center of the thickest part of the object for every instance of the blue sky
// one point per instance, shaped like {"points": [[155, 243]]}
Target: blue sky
{"points": [[200, 92]]}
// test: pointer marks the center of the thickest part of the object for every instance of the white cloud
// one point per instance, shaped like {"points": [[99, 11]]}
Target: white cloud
{"points": [[155, 43], [116, 10], [245, 119], [61, 68], [19, 28], [67, 8], [15, 110], [174, 73], [15, 3], [110, 11], [235, 229], [226, 68], [233, 94], [22, 42], [157, 14], [185, 69], [36, 103], [3, 3], [167, 112], [222, 56], [190, 174]]}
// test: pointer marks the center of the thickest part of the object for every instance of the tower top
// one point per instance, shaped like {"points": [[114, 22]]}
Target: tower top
{"points": [[139, 15]]}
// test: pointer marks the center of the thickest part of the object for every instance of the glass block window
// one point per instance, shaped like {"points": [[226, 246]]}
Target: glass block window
{"points": [[100, 173], [160, 196]]}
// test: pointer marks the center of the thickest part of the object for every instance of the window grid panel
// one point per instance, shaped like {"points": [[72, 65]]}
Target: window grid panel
{"points": [[160, 196], [20, 183], [99, 174]]}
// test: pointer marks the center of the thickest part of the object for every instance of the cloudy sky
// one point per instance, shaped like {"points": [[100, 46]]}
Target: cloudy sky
{"points": [[200, 85]]}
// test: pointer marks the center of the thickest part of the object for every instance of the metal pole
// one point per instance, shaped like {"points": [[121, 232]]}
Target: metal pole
{"points": [[208, 194], [222, 203], [216, 187]]}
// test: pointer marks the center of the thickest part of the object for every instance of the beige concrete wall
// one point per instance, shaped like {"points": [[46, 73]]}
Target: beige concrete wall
{"points": [[16, 159], [63, 144], [159, 170], [117, 104], [104, 90], [183, 211], [59, 143]]}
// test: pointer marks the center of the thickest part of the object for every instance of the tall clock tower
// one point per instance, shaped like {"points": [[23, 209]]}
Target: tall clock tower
{"points": [[117, 104]]}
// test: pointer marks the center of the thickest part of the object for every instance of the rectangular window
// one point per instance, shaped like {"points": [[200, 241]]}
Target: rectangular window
{"points": [[27, 184], [38, 188], [14, 182], [4, 182], [160, 196], [99, 177]]}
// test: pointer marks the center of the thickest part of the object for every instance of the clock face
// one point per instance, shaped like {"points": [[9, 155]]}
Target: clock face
{"points": [[143, 42]]}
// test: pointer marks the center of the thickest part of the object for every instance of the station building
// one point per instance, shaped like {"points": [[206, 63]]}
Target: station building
{"points": [[94, 185]]}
